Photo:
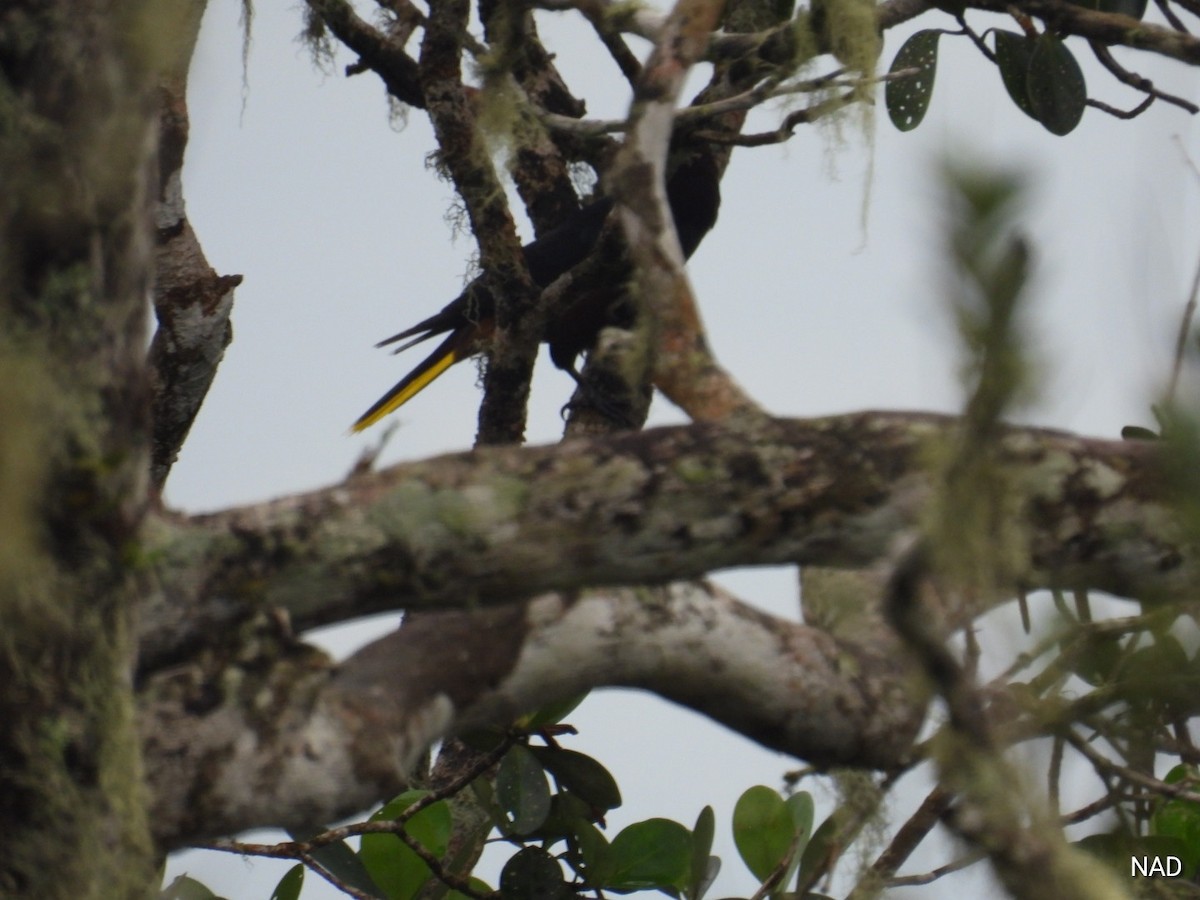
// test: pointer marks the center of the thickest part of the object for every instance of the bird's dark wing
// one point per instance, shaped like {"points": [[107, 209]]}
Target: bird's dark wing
{"points": [[693, 192], [470, 317]]}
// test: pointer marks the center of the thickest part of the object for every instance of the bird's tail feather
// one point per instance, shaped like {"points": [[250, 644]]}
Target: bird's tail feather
{"points": [[458, 345]]}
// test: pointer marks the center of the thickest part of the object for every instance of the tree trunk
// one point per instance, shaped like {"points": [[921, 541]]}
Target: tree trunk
{"points": [[77, 120]]}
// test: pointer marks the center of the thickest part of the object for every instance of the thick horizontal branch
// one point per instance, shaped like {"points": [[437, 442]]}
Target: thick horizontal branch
{"points": [[286, 739], [1104, 27], [646, 508]]}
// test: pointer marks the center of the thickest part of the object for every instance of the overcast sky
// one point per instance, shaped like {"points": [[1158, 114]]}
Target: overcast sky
{"points": [[819, 286]]}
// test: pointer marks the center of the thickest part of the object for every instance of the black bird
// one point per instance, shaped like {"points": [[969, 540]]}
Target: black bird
{"points": [[694, 195]]}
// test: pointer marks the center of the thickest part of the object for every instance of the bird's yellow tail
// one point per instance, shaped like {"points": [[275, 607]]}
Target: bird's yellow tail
{"points": [[450, 351]]}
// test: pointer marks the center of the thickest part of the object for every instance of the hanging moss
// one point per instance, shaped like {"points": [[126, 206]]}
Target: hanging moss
{"points": [[852, 35]]}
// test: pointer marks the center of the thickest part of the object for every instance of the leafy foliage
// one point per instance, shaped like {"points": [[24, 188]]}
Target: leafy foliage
{"points": [[1042, 78], [1039, 72]]}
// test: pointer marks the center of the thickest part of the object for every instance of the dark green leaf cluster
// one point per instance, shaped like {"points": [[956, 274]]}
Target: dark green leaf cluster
{"points": [[1169, 846], [550, 804], [1043, 79], [1039, 72]]}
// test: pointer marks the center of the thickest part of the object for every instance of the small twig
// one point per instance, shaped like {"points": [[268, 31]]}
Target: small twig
{"points": [[978, 41], [343, 886], [1022, 19], [1054, 775], [454, 786], [784, 132], [1023, 608], [630, 65], [776, 875], [1120, 113], [1169, 15], [906, 839], [1136, 81], [302, 850], [1100, 762], [767, 90], [631, 19], [1093, 809], [933, 875], [1182, 744], [1083, 607], [365, 463], [582, 127], [452, 881], [971, 652]]}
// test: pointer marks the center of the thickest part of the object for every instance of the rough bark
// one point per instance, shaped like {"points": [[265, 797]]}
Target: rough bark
{"points": [[504, 524], [328, 741], [192, 303], [76, 150]]}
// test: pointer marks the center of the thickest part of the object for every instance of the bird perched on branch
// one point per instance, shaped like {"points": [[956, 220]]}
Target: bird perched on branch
{"points": [[468, 321]]}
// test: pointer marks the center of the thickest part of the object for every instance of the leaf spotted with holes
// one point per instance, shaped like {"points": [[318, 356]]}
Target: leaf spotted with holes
{"points": [[908, 98]]}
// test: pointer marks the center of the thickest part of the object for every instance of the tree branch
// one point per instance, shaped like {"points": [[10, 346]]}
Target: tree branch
{"points": [[504, 524], [191, 302], [1106, 28], [361, 724], [382, 55], [463, 154]]}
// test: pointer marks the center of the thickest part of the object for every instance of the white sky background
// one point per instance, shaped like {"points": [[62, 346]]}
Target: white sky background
{"points": [[339, 230]]}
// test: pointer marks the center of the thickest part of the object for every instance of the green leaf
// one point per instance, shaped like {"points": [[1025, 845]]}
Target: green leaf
{"points": [[393, 865], [1160, 673], [186, 888], [587, 851], [551, 714], [1112, 849], [803, 810], [580, 774], [763, 828], [341, 861], [532, 874], [290, 884], [566, 812], [1158, 846], [1057, 92], [484, 740], [523, 791], [821, 849], [1180, 818], [1097, 658], [712, 868], [1138, 433], [1013, 52], [477, 884], [655, 853], [702, 865], [908, 98]]}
